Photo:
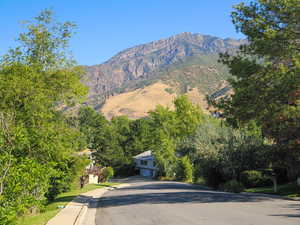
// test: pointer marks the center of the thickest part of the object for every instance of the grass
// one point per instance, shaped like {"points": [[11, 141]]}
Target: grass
{"points": [[52, 208], [286, 190]]}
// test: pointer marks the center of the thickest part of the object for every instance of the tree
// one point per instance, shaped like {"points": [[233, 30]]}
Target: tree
{"points": [[185, 169], [188, 116], [266, 72], [219, 152], [89, 123], [36, 142], [170, 128]]}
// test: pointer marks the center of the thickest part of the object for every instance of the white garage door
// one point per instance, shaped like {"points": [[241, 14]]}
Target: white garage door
{"points": [[146, 173]]}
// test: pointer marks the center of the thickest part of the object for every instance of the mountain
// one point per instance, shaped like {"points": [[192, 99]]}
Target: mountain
{"points": [[184, 63]]}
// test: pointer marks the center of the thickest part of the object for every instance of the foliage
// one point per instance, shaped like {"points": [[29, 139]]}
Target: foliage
{"points": [[233, 186], [254, 178], [118, 140], [164, 151], [23, 188], [288, 190], [110, 145], [108, 173], [53, 207], [221, 153], [266, 75], [36, 142], [89, 121], [185, 169], [115, 142], [170, 128], [67, 175]]}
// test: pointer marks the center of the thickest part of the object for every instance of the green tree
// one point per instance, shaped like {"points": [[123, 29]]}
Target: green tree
{"points": [[188, 116], [140, 136], [111, 140], [36, 142], [185, 169], [221, 153], [266, 72], [89, 123], [170, 128]]}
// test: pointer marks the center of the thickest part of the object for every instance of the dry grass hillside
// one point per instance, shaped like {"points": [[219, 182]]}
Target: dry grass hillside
{"points": [[138, 103]]}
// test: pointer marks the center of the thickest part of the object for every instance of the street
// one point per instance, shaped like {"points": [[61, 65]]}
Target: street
{"points": [[147, 202]]}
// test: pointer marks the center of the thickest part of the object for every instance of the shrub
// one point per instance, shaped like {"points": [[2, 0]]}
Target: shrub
{"points": [[213, 177], [254, 178], [281, 174], [185, 170], [233, 186], [165, 178], [200, 181], [108, 173]]}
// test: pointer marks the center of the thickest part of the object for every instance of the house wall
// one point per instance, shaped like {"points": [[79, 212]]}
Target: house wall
{"points": [[148, 170], [93, 179], [150, 163]]}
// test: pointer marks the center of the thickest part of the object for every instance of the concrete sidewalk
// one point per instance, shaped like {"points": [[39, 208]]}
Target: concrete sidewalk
{"points": [[82, 210]]}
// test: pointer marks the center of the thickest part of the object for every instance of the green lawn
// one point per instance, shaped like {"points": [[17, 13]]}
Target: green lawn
{"points": [[286, 190], [52, 208]]}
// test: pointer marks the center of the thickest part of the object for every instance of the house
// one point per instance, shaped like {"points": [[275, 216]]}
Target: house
{"points": [[92, 171], [145, 163]]}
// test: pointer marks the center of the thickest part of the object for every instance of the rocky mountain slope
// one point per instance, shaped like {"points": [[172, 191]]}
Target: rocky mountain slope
{"points": [[182, 62]]}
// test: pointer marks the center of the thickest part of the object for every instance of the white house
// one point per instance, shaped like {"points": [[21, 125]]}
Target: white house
{"points": [[145, 162], [92, 171]]}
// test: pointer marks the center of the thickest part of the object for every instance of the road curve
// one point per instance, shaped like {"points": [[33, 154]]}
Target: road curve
{"points": [[173, 203]]}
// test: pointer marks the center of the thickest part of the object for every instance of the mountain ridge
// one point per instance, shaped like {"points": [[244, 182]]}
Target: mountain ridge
{"points": [[187, 59]]}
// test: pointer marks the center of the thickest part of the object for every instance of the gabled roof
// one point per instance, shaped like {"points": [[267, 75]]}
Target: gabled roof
{"points": [[144, 155]]}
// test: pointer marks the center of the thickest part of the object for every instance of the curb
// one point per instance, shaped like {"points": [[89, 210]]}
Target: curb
{"points": [[81, 216], [272, 196], [75, 211]]}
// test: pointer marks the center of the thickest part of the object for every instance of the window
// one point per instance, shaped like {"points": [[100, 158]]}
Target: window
{"points": [[144, 162]]}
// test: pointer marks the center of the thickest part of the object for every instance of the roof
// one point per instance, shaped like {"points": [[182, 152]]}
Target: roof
{"points": [[220, 92], [85, 152], [144, 155]]}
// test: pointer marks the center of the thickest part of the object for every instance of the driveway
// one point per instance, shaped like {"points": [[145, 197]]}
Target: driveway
{"points": [[147, 202]]}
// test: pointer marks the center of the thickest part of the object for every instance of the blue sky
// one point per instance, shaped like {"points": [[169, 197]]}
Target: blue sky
{"points": [[106, 27]]}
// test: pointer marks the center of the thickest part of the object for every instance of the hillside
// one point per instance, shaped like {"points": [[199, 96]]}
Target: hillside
{"points": [[136, 104], [182, 63]]}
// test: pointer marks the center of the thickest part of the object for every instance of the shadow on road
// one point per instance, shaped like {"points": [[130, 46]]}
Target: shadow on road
{"points": [[287, 215], [176, 197], [175, 193], [167, 185]]}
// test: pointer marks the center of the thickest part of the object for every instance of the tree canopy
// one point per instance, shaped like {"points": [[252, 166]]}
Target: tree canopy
{"points": [[36, 141], [266, 80]]}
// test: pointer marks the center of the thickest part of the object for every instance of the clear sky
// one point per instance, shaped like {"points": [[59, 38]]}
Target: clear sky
{"points": [[106, 27]]}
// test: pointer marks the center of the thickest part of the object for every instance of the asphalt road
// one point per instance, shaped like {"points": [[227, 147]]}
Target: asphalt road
{"points": [[172, 203]]}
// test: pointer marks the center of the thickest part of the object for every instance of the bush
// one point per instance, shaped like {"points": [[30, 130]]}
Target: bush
{"points": [[254, 178], [108, 173], [24, 188], [185, 170], [200, 181], [125, 170], [165, 178], [281, 174], [233, 186], [213, 177]]}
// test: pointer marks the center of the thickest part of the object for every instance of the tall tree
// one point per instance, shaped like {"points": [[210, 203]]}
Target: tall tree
{"points": [[170, 128], [266, 74], [36, 143]]}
